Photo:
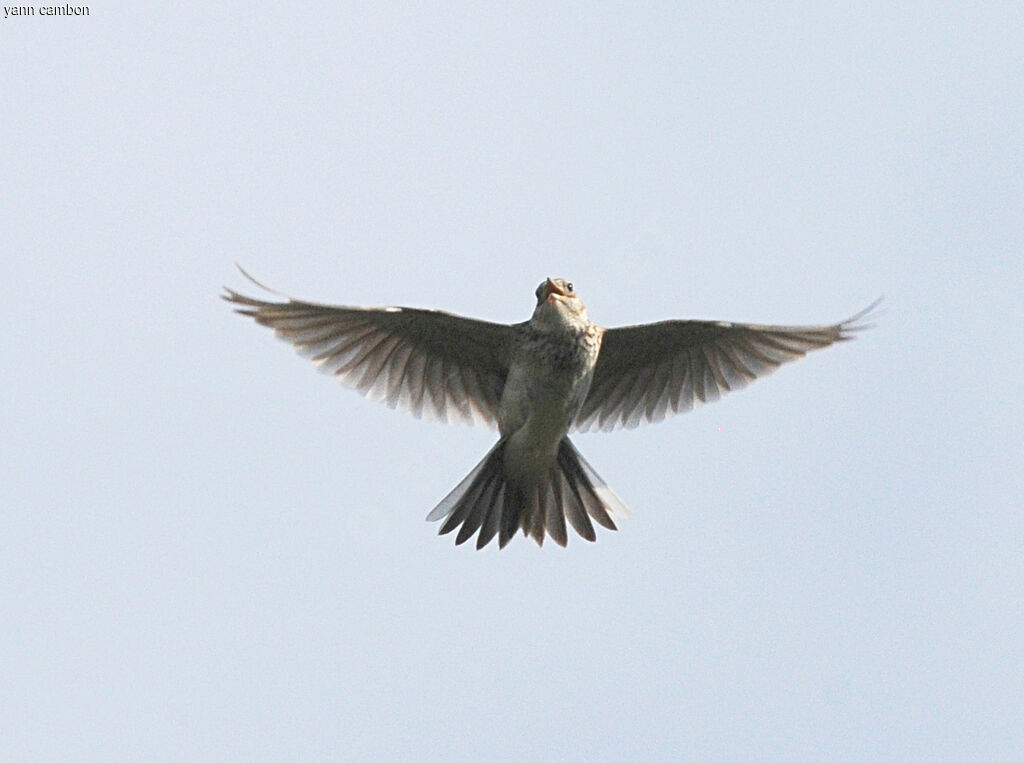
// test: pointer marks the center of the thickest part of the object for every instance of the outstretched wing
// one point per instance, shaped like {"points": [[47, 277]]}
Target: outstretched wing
{"points": [[426, 362], [648, 372]]}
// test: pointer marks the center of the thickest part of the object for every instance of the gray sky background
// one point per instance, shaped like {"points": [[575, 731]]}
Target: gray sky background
{"points": [[207, 550]]}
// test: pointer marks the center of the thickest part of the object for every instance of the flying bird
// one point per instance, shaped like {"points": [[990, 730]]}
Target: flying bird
{"points": [[535, 381]]}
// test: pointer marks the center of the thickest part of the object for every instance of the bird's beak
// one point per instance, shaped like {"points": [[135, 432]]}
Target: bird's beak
{"points": [[550, 287]]}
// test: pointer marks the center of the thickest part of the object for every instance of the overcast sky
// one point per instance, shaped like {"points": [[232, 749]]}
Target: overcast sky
{"points": [[210, 551]]}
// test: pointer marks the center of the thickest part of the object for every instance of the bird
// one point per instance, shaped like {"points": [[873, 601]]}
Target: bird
{"points": [[536, 382]]}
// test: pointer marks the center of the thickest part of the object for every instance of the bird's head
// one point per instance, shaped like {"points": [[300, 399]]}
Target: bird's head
{"points": [[558, 306]]}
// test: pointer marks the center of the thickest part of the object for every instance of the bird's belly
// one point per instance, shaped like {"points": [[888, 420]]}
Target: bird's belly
{"points": [[536, 409], [540, 399]]}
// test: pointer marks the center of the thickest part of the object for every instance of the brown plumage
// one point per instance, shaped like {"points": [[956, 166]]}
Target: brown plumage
{"points": [[536, 381]]}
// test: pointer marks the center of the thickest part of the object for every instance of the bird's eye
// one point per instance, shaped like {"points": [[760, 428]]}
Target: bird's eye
{"points": [[569, 286]]}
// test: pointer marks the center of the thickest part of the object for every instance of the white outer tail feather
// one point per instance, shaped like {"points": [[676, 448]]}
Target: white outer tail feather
{"points": [[486, 503]]}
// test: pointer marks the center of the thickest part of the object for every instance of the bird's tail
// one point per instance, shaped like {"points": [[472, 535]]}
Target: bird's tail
{"points": [[486, 500]]}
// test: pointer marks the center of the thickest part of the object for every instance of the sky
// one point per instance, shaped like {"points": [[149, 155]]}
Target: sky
{"points": [[208, 551]]}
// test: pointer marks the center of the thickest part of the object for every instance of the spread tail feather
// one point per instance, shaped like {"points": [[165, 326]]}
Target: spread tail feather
{"points": [[486, 501]]}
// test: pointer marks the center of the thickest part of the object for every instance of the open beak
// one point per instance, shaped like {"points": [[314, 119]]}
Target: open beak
{"points": [[550, 287]]}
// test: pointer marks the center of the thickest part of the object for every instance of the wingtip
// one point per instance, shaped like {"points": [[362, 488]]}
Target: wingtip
{"points": [[863, 319], [254, 281]]}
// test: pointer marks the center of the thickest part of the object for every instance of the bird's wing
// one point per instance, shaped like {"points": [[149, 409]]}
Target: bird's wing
{"points": [[426, 362], [648, 372]]}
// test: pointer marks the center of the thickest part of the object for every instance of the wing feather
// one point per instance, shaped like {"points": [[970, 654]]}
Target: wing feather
{"points": [[645, 373], [427, 362]]}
